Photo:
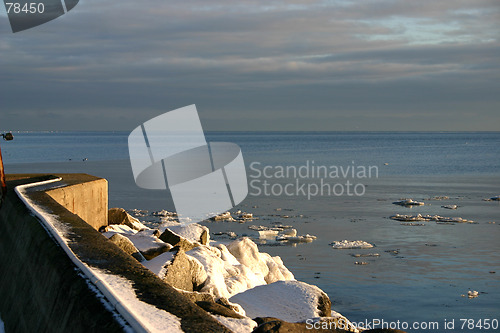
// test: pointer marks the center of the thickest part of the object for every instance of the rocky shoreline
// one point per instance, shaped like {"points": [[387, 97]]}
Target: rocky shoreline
{"points": [[244, 289]]}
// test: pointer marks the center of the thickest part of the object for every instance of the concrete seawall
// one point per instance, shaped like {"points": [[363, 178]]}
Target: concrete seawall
{"points": [[88, 199], [42, 290]]}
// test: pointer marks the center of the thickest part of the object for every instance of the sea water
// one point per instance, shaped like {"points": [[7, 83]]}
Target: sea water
{"points": [[421, 272]]}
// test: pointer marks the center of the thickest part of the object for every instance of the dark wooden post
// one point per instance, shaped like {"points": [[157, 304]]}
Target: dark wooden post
{"points": [[2, 178], [7, 137]]}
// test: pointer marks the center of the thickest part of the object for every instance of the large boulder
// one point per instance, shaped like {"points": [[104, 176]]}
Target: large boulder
{"points": [[193, 232], [174, 239], [120, 216], [148, 243], [291, 301], [185, 272], [127, 246]]}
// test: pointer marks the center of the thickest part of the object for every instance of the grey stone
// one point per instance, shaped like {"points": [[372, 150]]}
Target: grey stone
{"points": [[185, 272], [127, 246]]}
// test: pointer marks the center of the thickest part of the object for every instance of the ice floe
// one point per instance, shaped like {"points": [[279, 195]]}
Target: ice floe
{"points": [[408, 203], [471, 294], [347, 244], [436, 218], [280, 233]]}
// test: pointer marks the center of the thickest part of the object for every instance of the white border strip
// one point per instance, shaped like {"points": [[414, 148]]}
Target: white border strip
{"points": [[106, 289]]}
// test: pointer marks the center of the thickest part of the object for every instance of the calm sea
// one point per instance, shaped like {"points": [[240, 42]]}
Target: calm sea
{"points": [[425, 153], [421, 272]]}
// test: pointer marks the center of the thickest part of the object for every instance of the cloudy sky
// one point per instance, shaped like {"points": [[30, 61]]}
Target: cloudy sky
{"points": [[257, 65]]}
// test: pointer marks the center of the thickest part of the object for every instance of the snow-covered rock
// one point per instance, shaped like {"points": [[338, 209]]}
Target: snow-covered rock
{"points": [[158, 264], [292, 301], [226, 276], [120, 216], [193, 232], [149, 245], [185, 272], [127, 246], [247, 253]]}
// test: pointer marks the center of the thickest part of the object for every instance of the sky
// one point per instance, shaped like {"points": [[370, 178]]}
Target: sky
{"points": [[257, 65]]}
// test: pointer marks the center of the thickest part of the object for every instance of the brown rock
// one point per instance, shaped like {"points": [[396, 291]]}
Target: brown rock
{"points": [[195, 296], [155, 252], [275, 325], [120, 216], [175, 240], [218, 309], [127, 246]]}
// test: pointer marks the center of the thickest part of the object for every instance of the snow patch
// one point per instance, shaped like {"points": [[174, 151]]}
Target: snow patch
{"points": [[156, 320], [157, 264], [243, 325], [291, 301]]}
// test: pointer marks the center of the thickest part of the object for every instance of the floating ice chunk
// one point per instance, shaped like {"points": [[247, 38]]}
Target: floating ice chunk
{"points": [[472, 294], [231, 234], [408, 202], [163, 213], [449, 206], [296, 239], [138, 212], [290, 232], [223, 217], [267, 233], [358, 255], [402, 217], [346, 244]]}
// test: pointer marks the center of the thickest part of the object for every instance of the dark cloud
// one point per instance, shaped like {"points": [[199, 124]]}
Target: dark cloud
{"points": [[273, 65]]}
